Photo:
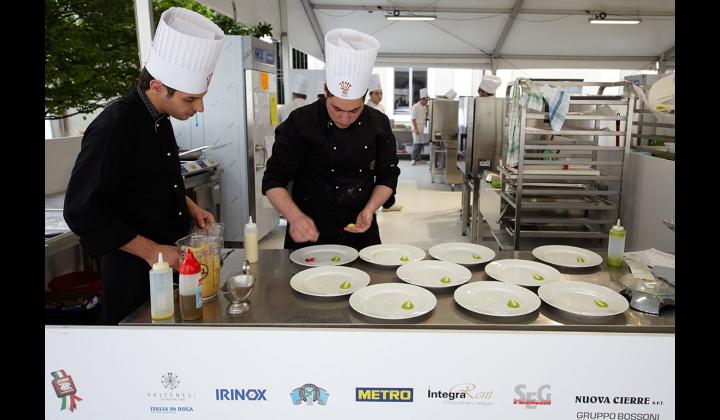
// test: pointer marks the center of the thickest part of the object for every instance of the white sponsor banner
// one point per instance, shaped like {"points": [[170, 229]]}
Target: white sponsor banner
{"points": [[262, 373]]}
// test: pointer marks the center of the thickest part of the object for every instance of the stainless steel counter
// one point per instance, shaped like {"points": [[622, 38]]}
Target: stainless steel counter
{"points": [[275, 304]]}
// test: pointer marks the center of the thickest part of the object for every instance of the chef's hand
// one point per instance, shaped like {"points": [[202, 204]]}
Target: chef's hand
{"points": [[362, 223], [417, 131], [170, 255], [200, 216], [302, 229]]}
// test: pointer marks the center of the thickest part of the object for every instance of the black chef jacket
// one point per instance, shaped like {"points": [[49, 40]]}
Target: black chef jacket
{"points": [[334, 171], [126, 181]]}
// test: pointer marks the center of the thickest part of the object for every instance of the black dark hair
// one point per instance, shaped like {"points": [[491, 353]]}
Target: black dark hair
{"points": [[145, 79]]}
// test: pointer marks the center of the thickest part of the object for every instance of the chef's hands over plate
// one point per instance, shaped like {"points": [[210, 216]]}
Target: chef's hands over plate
{"points": [[302, 229], [362, 223]]}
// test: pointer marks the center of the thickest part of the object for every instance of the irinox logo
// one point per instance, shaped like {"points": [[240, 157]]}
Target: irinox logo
{"points": [[533, 398], [384, 394], [250, 394]]}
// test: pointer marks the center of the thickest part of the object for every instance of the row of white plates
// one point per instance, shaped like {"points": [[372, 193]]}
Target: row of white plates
{"points": [[504, 298], [455, 252]]}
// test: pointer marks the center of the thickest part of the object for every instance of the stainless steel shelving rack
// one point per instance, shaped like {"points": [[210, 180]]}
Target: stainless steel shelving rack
{"points": [[565, 205]]}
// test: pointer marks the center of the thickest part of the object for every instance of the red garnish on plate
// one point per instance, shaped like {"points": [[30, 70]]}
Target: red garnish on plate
{"points": [[309, 260]]}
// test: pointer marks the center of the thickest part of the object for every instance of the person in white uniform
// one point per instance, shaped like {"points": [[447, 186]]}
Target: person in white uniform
{"points": [[489, 85], [419, 124], [375, 94], [299, 98]]}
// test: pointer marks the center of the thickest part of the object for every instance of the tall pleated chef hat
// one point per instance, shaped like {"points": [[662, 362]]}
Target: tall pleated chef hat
{"points": [[374, 83], [424, 93], [301, 85], [490, 83], [451, 94], [349, 60], [184, 51]]}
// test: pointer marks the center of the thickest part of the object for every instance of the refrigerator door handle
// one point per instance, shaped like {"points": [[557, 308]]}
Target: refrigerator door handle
{"points": [[260, 147]]}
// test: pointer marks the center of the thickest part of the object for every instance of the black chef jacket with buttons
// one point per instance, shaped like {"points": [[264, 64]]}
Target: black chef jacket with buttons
{"points": [[334, 171], [126, 181]]}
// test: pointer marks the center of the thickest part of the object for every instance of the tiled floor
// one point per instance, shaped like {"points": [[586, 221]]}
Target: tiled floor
{"points": [[430, 214]]}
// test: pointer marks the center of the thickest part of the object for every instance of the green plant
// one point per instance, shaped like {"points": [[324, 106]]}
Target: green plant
{"points": [[91, 52]]}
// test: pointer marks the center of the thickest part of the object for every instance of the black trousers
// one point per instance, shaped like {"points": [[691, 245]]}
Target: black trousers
{"points": [[331, 227], [125, 285]]}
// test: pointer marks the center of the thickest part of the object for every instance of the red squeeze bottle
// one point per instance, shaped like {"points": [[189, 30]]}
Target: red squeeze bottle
{"points": [[190, 288]]}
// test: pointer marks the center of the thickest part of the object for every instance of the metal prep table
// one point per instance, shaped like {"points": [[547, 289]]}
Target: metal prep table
{"points": [[275, 304]]}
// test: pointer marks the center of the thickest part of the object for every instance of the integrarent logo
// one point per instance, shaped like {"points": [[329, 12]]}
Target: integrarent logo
{"points": [[309, 394], [384, 394], [65, 390], [234, 394], [473, 394], [531, 399]]}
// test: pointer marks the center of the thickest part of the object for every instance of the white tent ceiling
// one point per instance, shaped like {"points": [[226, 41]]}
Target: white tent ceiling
{"points": [[469, 33]]}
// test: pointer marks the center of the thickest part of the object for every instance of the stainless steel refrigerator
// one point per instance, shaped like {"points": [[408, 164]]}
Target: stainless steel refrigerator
{"points": [[240, 109]]}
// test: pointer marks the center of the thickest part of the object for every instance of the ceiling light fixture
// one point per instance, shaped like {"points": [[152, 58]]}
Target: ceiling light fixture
{"points": [[395, 15], [601, 19], [615, 21]]}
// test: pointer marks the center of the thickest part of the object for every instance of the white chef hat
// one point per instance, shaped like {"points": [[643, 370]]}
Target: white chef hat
{"points": [[490, 83], [423, 93], [374, 83], [349, 60], [451, 94], [184, 51], [301, 85]]}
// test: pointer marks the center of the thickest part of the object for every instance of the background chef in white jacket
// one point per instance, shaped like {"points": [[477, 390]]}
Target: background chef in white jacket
{"points": [[299, 98], [375, 94], [419, 123]]}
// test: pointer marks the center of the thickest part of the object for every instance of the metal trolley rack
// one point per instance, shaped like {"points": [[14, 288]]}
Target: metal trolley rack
{"points": [[567, 184]]}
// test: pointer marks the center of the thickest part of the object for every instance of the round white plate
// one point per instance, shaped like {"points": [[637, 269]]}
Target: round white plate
{"points": [[522, 272], [567, 256], [393, 301], [320, 255], [496, 299], [391, 254], [581, 298], [462, 253], [431, 273], [329, 281]]}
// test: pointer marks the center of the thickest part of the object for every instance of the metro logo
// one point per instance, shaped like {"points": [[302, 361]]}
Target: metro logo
{"points": [[384, 394]]}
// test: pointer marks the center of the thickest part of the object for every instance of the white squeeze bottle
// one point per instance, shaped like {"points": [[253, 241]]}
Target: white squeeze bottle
{"points": [[161, 290], [616, 245], [251, 241]]}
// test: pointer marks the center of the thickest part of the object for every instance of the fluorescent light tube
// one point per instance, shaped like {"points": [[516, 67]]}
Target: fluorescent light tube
{"points": [[616, 21], [416, 17]]}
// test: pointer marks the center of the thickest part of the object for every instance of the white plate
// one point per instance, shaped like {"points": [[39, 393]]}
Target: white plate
{"points": [[567, 256], [522, 272], [462, 253], [389, 301], [323, 255], [496, 299], [329, 281], [430, 273], [581, 298], [391, 254]]}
